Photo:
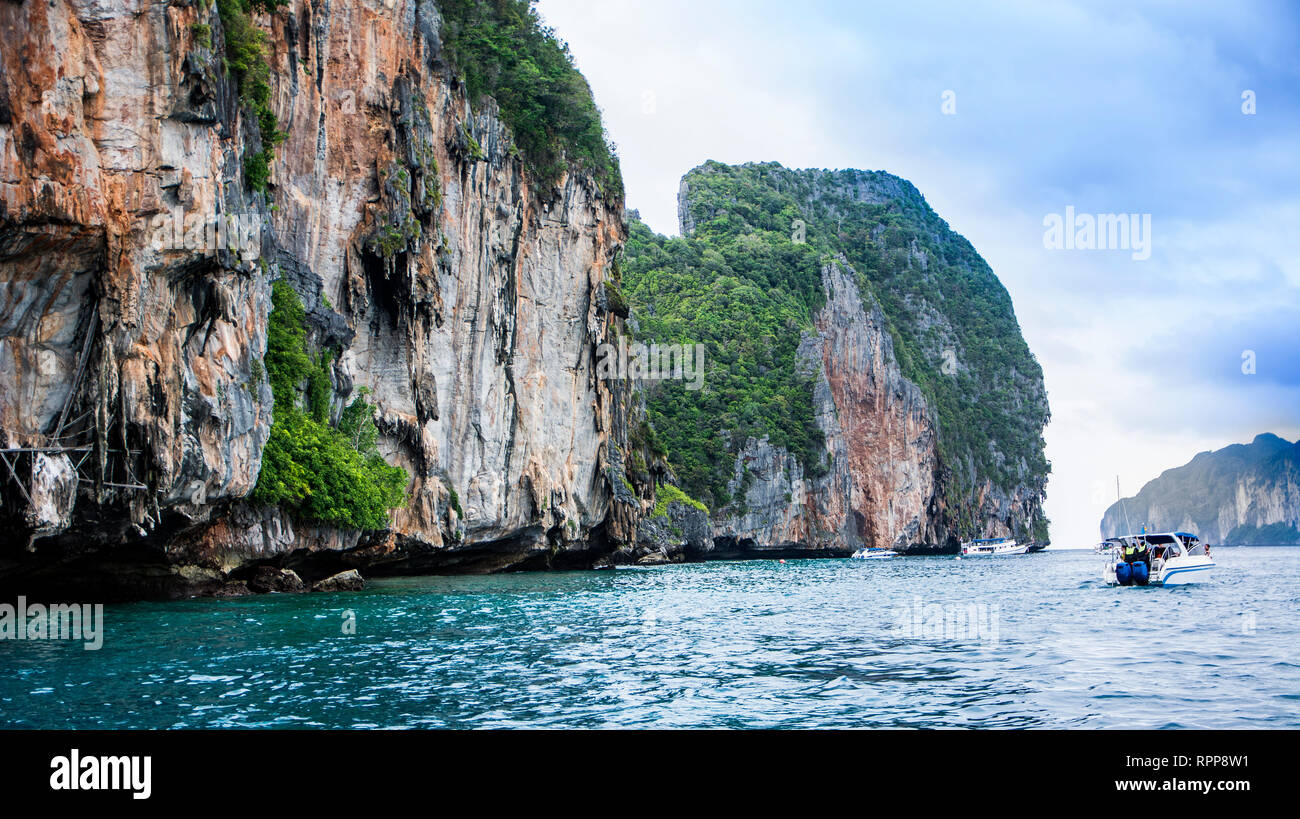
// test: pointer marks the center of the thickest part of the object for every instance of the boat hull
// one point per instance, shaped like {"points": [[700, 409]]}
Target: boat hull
{"points": [[996, 551], [1183, 570], [1178, 571], [874, 554]]}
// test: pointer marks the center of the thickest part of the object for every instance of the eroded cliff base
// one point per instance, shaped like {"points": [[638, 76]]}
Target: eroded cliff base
{"points": [[250, 551]]}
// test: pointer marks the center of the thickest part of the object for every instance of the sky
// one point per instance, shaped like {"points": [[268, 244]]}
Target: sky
{"points": [[1003, 115]]}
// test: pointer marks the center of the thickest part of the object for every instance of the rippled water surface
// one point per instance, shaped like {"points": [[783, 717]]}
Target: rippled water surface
{"points": [[805, 644]]}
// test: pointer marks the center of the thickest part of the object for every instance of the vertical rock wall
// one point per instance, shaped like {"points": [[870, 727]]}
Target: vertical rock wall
{"points": [[465, 299]]}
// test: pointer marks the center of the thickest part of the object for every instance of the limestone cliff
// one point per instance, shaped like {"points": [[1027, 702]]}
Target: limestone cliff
{"points": [[1244, 494], [461, 291], [167, 168], [880, 487], [882, 397]]}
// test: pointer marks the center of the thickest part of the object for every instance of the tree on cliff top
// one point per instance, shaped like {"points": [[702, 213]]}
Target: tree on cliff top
{"points": [[500, 48]]}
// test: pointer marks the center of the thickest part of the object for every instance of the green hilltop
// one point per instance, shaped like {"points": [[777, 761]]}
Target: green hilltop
{"points": [[741, 281]]}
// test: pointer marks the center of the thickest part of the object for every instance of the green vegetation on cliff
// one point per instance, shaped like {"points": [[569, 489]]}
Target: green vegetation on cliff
{"points": [[667, 493], [500, 49], [246, 58], [746, 297], [747, 282], [331, 474]]}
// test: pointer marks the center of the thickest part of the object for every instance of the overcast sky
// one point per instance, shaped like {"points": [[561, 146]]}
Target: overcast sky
{"points": [[1092, 106]]}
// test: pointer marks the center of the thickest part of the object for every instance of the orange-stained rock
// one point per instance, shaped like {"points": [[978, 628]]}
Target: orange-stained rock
{"points": [[465, 299]]}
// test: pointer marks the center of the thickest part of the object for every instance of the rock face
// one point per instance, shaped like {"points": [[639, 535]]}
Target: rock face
{"points": [[682, 533], [880, 488], [465, 298], [130, 339], [1243, 494], [886, 478]]}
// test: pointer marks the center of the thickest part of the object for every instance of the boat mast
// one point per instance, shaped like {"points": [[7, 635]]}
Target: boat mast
{"points": [[1122, 507]]}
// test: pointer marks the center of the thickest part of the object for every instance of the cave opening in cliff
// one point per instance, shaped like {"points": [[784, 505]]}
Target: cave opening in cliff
{"points": [[385, 293]]}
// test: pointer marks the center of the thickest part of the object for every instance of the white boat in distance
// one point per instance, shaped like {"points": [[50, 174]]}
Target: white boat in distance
{"points": [[993, 546], [1109, 546], [874, 553], [1171, 559]]}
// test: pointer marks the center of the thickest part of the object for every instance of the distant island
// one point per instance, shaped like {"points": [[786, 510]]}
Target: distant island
{"points": [[1241, 495]]}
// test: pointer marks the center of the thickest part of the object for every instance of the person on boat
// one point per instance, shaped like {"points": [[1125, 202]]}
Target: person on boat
{"points": [[1135, 551]]}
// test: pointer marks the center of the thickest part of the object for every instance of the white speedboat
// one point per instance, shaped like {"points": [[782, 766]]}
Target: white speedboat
{"points": [[874, 553], [1166, 559], [993, 546], [1109, 546]]}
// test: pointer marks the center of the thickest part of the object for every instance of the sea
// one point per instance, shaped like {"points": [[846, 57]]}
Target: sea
{"points": [[1032, 641]]}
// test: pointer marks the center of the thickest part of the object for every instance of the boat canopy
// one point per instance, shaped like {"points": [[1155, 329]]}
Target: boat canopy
{"points": [[1158, 538]]}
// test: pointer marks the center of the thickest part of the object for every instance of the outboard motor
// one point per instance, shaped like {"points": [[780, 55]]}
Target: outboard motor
{"points": [[1124, 573], [1141, 573]]}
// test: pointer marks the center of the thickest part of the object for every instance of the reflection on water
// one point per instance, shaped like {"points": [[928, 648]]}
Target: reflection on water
{"points": [[805, 644]]}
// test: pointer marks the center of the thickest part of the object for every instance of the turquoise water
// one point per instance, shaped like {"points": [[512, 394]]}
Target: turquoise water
{"points": [[805, 644]]}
